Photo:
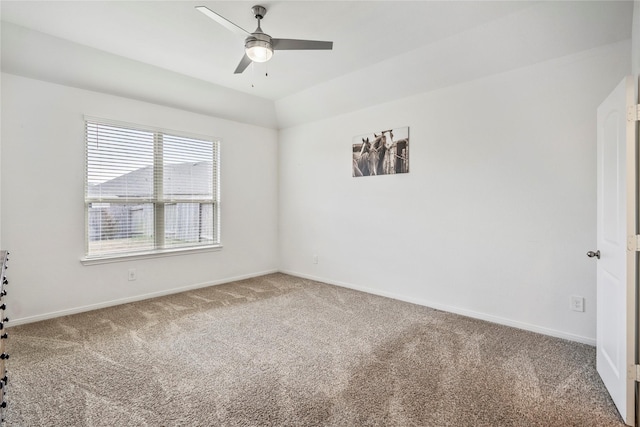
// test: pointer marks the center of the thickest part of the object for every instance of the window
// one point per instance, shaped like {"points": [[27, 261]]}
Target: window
{"points": [[148, 191]]}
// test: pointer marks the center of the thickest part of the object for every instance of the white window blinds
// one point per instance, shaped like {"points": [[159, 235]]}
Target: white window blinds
{"points": [[148, 190]]}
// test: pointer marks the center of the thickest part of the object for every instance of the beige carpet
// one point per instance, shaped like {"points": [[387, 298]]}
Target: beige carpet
{"points": [[284, 351]]}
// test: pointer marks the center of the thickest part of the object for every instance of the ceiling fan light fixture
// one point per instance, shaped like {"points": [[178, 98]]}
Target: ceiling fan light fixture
{"points": [[258, 50]]}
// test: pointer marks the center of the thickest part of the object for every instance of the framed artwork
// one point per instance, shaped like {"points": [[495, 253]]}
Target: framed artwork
{"points": [[381, 153]]}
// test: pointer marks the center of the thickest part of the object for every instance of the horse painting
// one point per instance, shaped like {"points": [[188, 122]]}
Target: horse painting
{"points": [[389, 155], [362, 163], [377, 154], [370, 157]]}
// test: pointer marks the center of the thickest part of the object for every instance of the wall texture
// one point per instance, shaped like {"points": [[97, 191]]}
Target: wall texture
{"points": [[498, 209], [43, 198]]}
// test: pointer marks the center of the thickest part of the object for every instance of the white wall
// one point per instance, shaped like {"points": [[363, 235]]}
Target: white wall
{"points": [[498, 210], [43, 198]]}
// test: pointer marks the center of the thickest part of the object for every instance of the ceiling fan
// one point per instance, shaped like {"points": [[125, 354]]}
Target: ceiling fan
{"points": [[259, 46]]}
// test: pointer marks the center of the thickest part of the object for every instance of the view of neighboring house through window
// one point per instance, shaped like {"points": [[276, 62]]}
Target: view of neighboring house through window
{"points": [[148, 190]]}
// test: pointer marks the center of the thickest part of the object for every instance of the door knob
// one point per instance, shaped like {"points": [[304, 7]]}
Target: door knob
{"points": [[592, 254]]}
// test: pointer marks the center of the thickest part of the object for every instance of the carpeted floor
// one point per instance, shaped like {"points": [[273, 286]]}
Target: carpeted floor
{"points": [[283, 351]]}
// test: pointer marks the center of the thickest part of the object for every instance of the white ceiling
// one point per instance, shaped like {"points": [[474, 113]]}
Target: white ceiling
{"points": [[435, 38]]}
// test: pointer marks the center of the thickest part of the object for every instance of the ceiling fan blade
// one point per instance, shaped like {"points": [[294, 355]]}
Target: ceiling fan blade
{"points": [[292, 44], [244, 63], [223, 21]]}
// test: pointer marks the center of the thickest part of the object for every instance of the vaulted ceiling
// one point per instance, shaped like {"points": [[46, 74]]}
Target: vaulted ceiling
{"points": [[169, 53]]}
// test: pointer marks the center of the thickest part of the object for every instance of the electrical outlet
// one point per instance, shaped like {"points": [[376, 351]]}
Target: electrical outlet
{"points": [[132, 274], [577, 303], [315, 259]]}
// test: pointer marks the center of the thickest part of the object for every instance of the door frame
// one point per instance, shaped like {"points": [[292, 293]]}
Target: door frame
{"points": [[633, 228]]}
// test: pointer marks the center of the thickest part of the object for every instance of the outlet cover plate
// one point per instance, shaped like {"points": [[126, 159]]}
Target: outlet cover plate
{"points": [[577, 303]]}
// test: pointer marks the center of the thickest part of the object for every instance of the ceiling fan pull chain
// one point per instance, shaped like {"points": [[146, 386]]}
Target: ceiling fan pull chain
{"points": [[253, 73]]}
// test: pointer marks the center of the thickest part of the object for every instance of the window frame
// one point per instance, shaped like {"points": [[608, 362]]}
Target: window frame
{"points": [[158, 200]]}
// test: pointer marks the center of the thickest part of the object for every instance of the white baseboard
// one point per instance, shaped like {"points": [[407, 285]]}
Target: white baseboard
{"points": [[452, 309], [76, 310], [418, 301]]}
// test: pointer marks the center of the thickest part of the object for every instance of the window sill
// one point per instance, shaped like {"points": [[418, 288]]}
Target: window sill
{"points": [[147, 255]]}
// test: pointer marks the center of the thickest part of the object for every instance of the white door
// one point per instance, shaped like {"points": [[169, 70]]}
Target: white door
{"points": [[616, 277]]}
